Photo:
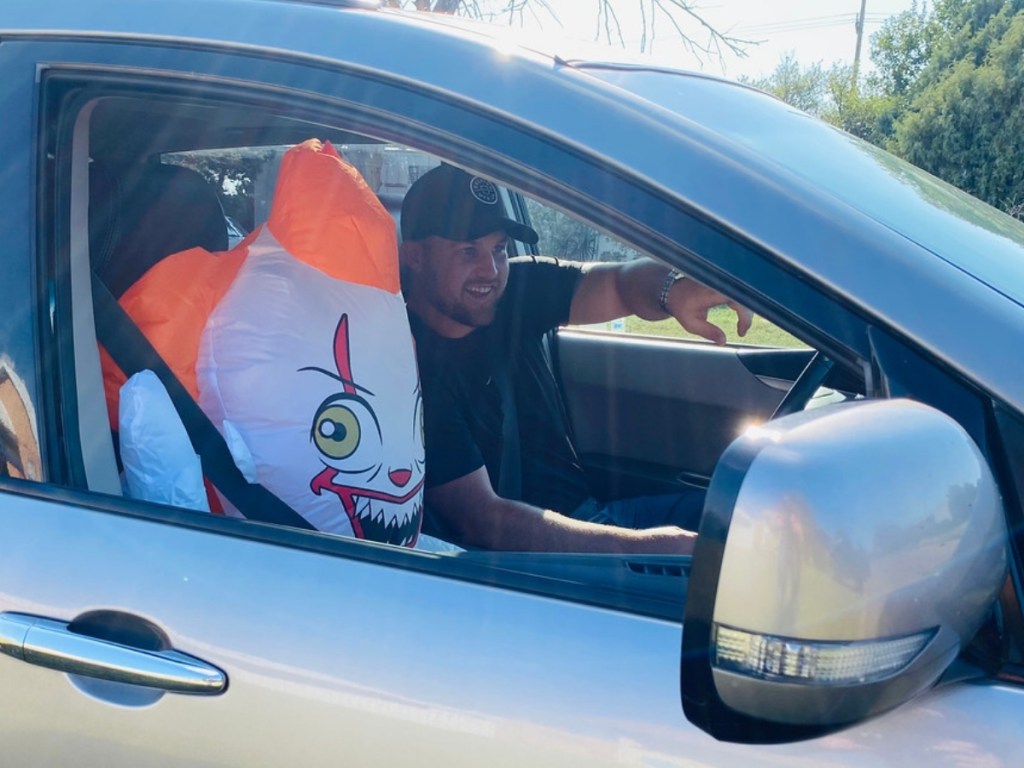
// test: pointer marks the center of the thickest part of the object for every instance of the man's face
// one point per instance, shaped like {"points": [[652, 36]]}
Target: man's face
{"points": [[458, 284]]}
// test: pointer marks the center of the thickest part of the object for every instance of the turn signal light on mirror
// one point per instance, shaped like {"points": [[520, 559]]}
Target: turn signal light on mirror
{"points": [[810, 662]]}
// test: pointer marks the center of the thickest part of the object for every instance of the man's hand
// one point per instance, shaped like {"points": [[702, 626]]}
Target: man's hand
{"points": [[608, 291], [689, 302]]}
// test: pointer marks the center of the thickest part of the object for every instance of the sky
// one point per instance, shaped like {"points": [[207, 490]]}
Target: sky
{"points": [[814, 30]]}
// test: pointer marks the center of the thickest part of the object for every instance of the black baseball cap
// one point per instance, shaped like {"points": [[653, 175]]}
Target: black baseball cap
{"points": [[450, 203]]}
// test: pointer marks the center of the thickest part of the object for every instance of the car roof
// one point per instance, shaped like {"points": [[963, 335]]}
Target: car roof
{"points": [[836, 210]]}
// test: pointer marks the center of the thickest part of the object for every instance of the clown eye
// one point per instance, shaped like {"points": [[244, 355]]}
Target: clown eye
{"points": [[337, 432]]}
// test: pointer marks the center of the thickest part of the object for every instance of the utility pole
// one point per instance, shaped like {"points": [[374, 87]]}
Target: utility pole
{"points": [[860, 37]]}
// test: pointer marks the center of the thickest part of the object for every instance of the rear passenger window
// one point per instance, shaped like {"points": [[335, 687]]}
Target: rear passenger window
{"points": [[244, 177]]}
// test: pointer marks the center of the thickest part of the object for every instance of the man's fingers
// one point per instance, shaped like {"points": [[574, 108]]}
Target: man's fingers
{"points": [[696, 300], [744, 318], [702, 327]]}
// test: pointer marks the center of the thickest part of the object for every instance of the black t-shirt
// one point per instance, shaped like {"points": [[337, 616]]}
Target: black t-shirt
{"points": [[462, 403]]}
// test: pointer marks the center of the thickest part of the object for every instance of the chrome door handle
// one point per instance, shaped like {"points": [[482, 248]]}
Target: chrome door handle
{"points": [[50, 643]]}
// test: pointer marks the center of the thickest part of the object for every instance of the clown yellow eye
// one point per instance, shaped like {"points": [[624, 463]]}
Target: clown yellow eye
{"points": [[336, 432]]}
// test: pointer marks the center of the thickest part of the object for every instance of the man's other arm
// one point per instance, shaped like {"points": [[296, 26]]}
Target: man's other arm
{"points": [[607, 291], [478, 517]]}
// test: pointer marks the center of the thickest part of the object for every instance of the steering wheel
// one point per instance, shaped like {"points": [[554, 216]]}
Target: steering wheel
{"points": [[806, 384]]}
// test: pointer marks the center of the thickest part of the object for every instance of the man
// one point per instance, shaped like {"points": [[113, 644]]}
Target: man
{"points": [[479, 323]]}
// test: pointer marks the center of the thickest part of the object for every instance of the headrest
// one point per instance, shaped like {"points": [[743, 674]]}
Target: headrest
{"points": [[147, 213]]}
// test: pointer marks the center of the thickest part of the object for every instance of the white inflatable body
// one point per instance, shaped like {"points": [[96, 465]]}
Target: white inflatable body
{"points": [[318, 378], [296, 344]]}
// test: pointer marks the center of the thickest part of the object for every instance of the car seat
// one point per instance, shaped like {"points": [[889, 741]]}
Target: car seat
{"points": [[143, 214]]}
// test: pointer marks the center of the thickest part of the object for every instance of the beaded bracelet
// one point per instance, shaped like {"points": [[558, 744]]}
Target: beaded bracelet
{"points": [[673, 276]]}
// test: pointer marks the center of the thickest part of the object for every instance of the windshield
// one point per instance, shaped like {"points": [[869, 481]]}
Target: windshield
{"points": [[979, 239]]}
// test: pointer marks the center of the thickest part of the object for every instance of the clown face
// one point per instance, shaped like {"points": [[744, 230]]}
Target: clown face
{"points": [[317, 376], [384, 502]]}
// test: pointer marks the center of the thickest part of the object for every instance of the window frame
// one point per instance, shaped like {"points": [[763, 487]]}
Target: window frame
{"points": [[653, 586]]}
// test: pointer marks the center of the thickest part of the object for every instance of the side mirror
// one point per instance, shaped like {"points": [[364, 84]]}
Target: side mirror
{"points": [[846, 555]]}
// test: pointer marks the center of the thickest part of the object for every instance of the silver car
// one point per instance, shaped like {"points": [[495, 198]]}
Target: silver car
{"points": [[855, 594]]}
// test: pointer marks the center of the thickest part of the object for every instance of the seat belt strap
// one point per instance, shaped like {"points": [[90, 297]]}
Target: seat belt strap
{"points": [[128, 346], [511, 472]]}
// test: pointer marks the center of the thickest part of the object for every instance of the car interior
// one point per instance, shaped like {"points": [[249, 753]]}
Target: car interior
{"points": [[144, 175]]}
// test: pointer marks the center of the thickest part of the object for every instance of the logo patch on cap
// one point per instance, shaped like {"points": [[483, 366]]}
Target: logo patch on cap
{"points": [[483, 190]]}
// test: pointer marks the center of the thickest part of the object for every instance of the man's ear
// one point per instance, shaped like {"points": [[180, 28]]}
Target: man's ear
{"points": [[410, 255]]}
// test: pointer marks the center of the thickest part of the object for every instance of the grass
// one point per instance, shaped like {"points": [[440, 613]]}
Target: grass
{"points": [[761, 333]]}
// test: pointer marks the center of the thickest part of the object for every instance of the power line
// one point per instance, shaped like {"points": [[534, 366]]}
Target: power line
{"points": [[809, 23]]}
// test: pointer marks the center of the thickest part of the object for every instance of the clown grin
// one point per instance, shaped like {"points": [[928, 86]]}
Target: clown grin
{"points": [[375, 515]]}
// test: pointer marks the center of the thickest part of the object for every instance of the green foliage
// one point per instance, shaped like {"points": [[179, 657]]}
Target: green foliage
{"points": [[969, 29], [563, 235], [570, 238], [761, 333], [806, 89], [966, 122], [831, 94], [947, 94], [901, 49]]}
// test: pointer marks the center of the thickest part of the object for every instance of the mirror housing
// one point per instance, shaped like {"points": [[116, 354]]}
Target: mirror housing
{"points": [[846, 555]]}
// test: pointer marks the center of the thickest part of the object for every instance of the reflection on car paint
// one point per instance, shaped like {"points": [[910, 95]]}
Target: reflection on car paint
{"points": [[19, 438]]}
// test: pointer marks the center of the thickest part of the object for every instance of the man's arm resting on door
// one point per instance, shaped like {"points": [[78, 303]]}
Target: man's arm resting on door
{"points": [[478, 517]]}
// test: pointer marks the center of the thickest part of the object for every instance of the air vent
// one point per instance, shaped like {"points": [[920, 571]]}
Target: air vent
{"points": [[655, 569]]}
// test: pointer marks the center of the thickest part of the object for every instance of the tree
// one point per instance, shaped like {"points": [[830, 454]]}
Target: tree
{"points": [[947, 94], [966, 125], [901, 49], [563, 234], [805, 89], [681, 17], [829, 93]]}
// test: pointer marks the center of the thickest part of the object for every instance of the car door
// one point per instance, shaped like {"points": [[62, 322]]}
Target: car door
{"points": [[652, 407], [301, 647], [136, 633]]}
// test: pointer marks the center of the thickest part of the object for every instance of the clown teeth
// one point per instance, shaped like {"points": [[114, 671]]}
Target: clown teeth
{"points": [[388, 514], [365, 510], [403, 515]]}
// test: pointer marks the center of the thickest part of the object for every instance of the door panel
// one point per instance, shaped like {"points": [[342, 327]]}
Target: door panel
{"points": [[329, 660], [648, 412], [332, 661]]}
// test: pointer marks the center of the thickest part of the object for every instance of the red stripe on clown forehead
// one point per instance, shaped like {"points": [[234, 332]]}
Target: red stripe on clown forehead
{"points": [[342, 358]]}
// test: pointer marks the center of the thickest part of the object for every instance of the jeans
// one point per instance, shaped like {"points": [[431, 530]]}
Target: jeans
{"points": [[682, 509]]}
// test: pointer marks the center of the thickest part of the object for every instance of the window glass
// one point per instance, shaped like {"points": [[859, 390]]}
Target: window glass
{"points": [[245, 177], [567, 237], [233, 152]]}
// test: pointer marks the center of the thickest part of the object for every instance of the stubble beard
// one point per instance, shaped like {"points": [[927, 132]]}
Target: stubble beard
{"points": [[473, 317], [466, 312]]}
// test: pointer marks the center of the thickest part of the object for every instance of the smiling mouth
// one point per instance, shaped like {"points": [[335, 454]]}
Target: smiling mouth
{"points": [[375, 515], [480, 291]]}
